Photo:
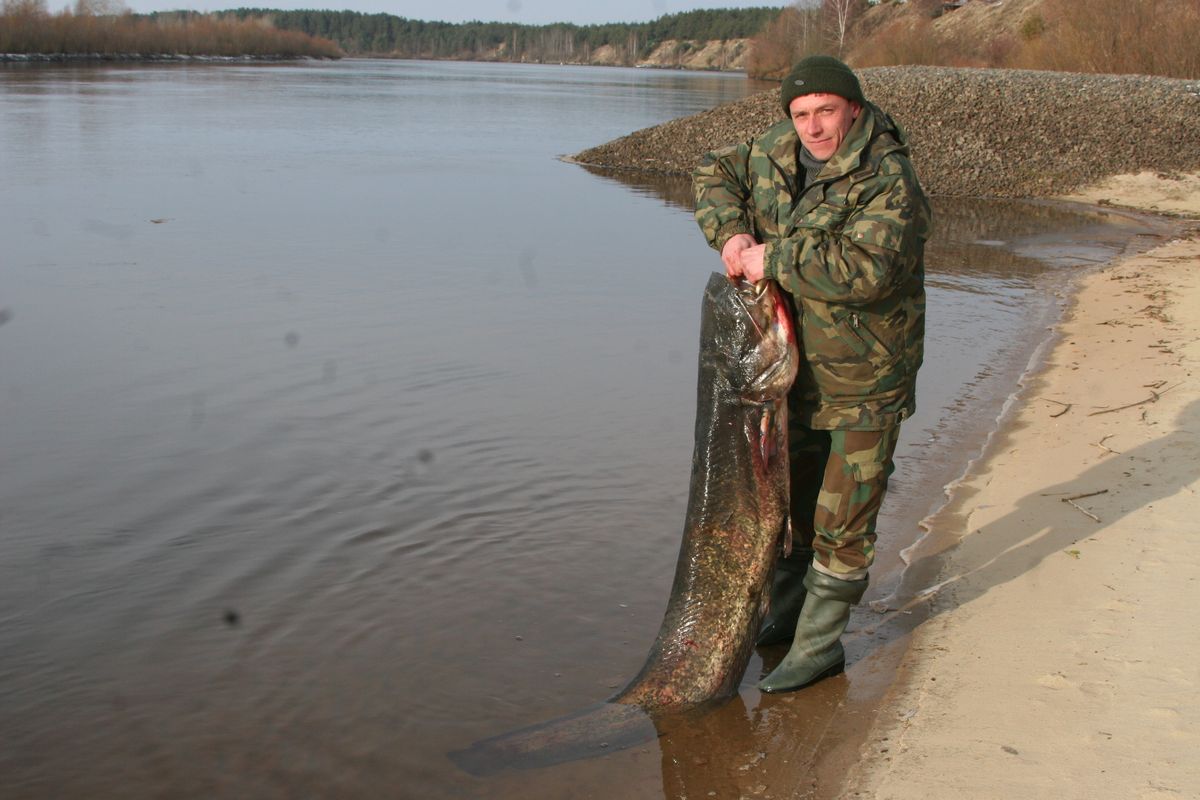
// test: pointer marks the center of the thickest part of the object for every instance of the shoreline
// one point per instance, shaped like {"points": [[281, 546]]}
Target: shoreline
{"points": [[1172, 224], [843, 711], [884, 639], [1005, 565], [38, 58]]}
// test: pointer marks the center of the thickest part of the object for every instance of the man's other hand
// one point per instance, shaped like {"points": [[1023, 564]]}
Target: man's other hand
{"points": [[731, 254], [752, 262]]}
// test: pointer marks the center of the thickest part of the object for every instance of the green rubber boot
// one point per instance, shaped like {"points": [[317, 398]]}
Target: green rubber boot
{"points": [[787, 598], [817, 649]]}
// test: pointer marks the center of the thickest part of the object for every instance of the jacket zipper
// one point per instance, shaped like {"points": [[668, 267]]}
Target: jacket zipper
{"points": [[863, 332]]}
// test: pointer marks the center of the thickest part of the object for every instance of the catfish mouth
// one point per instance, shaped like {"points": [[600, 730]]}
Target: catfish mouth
{"points": [[772, 383]]}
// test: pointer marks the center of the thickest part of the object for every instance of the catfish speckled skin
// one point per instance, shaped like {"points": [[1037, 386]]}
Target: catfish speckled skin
{"points": [[738, 502], [737, 511]]}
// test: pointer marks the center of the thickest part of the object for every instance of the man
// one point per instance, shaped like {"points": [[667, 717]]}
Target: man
{"points": [[827, 204]]}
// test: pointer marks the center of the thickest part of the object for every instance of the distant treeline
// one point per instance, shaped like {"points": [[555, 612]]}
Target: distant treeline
{"points": [[28, 29], [388, 35]]}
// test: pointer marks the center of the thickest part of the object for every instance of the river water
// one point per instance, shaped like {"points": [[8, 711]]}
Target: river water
{"points": [[343, 424]]}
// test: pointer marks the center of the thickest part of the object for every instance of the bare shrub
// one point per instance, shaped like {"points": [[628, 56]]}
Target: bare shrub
{"points": [[23, 8], [908, 41], [99, 8], [791, 36], [1032, 27], [840, 16], [1000, 50]]}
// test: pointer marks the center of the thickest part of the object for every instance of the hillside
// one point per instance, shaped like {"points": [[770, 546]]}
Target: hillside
{"points": [[704, 55], [979, 33], [979, 21], [1101, 36]]}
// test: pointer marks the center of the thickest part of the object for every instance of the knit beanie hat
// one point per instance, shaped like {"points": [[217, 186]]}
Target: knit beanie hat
{"points": [[820, 75]]}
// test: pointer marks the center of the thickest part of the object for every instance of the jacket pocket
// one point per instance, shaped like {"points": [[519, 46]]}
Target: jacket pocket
{"points": [[859, 328], [854, 330], [854, 353]]}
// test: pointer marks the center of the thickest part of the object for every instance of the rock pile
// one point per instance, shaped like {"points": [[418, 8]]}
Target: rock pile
{"points": [[974, 132]]}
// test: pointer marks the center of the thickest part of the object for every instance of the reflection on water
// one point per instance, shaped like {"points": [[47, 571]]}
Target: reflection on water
{"points": [[1007, 239], [676, 190], [344, 426]]}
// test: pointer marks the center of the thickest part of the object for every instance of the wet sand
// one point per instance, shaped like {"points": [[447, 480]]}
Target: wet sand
{"points": [[1057, 651]]}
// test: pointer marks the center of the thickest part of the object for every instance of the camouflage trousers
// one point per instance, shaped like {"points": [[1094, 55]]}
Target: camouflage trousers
{"points": [[838, 480]]}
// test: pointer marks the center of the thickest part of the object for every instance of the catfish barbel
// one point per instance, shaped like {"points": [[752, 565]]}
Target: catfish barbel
{"points": [[737, 512]]}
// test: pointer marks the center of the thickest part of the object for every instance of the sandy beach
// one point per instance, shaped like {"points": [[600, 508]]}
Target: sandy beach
{"points": [[1059, 657]]}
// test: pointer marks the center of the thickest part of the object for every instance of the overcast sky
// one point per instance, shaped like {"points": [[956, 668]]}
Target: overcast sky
{"points": [[528, 12]]}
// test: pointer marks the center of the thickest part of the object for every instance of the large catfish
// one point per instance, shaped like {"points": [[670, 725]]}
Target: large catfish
{"points": [[737, 511]]}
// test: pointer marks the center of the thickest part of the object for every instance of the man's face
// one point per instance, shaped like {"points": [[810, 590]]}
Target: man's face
{"points": [[822, 121]]}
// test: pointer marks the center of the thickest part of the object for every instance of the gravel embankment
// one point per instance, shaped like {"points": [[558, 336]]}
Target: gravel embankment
{"points": [[973, 132]]}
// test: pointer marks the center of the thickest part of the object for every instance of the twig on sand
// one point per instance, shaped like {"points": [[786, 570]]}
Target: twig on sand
{"points": [[1080, 508], [1103, 446], [1153, 398], [1066, 407], [1071, 501], [1085, 494]]}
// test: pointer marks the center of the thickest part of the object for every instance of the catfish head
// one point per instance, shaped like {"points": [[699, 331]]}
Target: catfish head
{"points": [[750, 338]]}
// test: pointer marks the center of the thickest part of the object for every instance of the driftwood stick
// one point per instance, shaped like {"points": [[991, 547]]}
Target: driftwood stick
{"points": [[1153, 398], [1103, 446], [1080, 508], [1085, 494], [1065, 409]]}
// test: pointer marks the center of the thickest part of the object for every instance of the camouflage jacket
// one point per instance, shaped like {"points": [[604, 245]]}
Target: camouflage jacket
{"points": [[849, 249]]}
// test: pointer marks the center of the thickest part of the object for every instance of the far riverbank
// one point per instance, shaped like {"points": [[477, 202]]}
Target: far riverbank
{"points": [[164, 58], [33, 35]]}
